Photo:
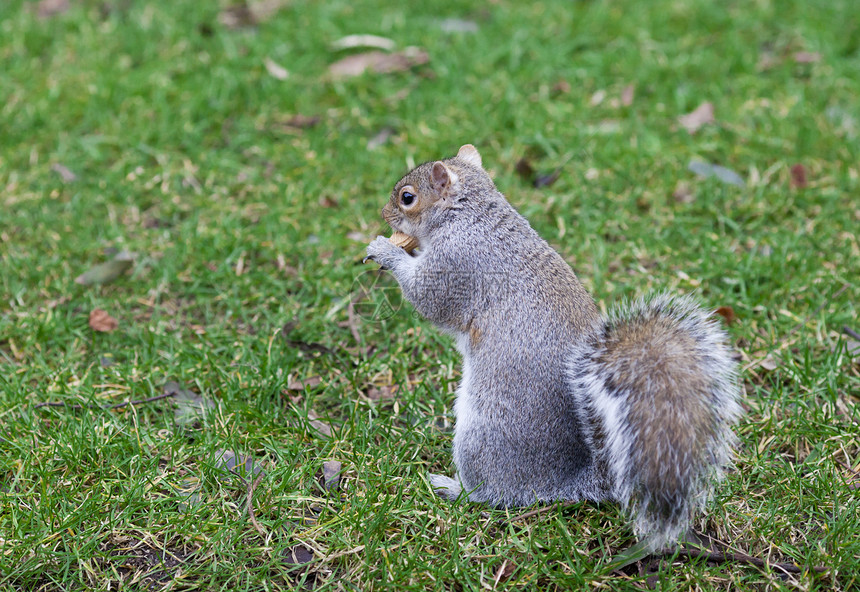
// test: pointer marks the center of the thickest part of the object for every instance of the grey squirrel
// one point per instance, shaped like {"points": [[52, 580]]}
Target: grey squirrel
{"points": [[556, 401]]}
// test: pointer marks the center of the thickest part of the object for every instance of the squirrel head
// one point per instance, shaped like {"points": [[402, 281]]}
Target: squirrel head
{"points": [[423, 199]]}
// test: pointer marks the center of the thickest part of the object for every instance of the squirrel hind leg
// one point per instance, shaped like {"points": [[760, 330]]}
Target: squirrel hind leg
{"points": [[445, 487]]}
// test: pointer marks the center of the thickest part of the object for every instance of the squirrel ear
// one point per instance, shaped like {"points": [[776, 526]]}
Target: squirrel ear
{"points": [[470, 154], [441, 176]]}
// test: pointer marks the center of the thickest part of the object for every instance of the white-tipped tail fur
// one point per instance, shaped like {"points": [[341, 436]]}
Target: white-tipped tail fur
{"points": [[657, 393]]}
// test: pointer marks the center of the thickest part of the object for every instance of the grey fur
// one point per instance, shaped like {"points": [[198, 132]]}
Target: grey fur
{"points": [[555, 403]]}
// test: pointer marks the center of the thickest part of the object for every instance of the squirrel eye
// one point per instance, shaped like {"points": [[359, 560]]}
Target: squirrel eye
{"points": [[407, 198]]}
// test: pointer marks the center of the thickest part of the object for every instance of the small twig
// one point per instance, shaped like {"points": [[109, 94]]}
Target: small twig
{"points": [[106, 407], [850, 332], [718, 557], [253, 518], [529, 514]]}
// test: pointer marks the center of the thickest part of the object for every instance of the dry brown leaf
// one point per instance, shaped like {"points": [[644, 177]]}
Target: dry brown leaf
{"points": [[298, 555], [683, 193], [355, 41], [101, 321], [331, 474], [769, 363], [48, 8], [65, 174], [300, 385], [597, 98], [798, 176], [702, 115], [547, 179], [237, 16], [525, 169], [358, 237], [455, 25], [108, 271], [299, 121], [806, 57], [322, 427], [628, 94], [248, 14], [327, 201], [275, 69], [728, 314], [380, 138], [379, 393], [378, 61], [562, 87], [505, 571]]}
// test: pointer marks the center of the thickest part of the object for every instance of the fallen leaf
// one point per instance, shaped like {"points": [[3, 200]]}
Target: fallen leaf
{"points": [[275, 69], [605, 127], [380, 138], [331, 474], [562, 87], [101, 321], [358, 237], [683, 193], [327, 201], [627, 95], [108, 271], [769, 363], [768, 60], [524, 169], [505, 571], [65, 174], [307, 383], [299, 121], [547, 179], [798, 176], [190, 407], [806, 57], [702, 115], [354, 41], [237, 16], [248, 14], [323, 428], [379, 393], [107, 360], [379, 62], [705, 169], [728, 314], [189, 490], [231, 462], [597, 98], [455, 25], [298, 555], [48, 8]]}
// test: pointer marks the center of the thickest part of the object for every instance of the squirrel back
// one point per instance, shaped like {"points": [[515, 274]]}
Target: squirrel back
{"points": [[557, 402]]}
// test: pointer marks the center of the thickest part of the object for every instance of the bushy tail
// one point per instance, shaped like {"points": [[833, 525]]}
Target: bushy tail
{"points": [[657, 392]]}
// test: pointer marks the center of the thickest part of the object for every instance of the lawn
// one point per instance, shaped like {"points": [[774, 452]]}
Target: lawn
{"points": [[186, 192]]}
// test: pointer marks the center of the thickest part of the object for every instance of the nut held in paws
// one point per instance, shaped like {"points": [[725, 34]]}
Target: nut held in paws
{"points": [[404, 241]]}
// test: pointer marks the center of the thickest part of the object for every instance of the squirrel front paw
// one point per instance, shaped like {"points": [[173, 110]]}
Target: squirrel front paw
{"points": [[384, 252]]}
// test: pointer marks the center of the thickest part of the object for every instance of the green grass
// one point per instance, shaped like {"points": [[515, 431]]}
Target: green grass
{"points": [[176, 135]]}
